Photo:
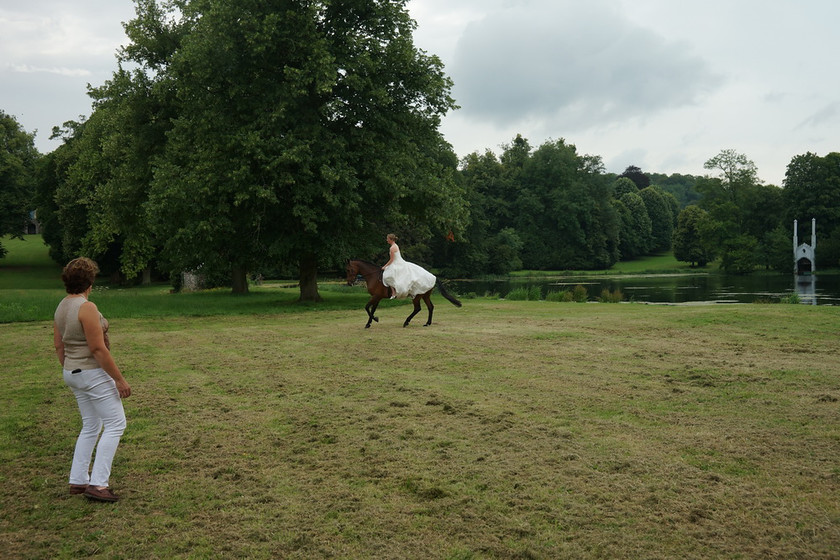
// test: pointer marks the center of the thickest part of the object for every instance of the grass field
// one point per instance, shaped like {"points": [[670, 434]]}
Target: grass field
{"points": [[263, 428], [505, 430]]}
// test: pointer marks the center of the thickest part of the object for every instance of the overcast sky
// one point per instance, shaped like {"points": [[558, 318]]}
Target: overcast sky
{"points": [[660, 84]]}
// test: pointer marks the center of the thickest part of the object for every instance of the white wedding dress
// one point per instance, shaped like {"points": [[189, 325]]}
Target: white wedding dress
{"points": [[407, 279]]}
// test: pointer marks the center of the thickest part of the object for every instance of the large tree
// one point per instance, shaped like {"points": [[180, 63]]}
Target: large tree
{"points": [[93, 189], [635, 237], [480, 176], [18, 157], [691, 243], [120, 140], [661, 216], [53, 169], [564, 214], [737, 174], [304, 131], [735, 200]]}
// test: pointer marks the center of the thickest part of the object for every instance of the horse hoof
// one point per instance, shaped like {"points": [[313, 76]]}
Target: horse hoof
{"points": [[376, 319], [367, 326]]}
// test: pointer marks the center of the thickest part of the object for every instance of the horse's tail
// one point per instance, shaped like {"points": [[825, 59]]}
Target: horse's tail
{"points": [[445, 293]]}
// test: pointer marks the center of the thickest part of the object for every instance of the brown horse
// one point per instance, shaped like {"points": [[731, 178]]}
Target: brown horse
{"points": [[378, 291]]}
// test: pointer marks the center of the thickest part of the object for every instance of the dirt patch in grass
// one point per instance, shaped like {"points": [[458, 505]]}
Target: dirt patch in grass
{"points": [[505, 430]]}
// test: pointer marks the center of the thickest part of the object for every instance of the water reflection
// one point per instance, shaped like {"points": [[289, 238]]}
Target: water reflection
{"points": [[822, 289], [806, 288]]}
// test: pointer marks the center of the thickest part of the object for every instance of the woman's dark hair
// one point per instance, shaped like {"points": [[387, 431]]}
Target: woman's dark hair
{"points": [[79, 275]]}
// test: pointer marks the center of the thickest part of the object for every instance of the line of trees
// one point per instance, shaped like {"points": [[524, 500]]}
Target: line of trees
{"points": [[748, 225], [554, 209]]}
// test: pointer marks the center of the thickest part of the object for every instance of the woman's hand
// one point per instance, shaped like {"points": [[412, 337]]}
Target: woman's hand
{"points": [[98, 344], [124, 388]]}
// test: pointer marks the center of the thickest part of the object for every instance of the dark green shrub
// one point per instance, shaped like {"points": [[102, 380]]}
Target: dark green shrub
{"points": [[611, 297], [579, 294], [528, 293]]}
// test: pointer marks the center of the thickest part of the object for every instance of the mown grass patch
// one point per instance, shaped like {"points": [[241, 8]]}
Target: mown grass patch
{"points": [[504, 430]]}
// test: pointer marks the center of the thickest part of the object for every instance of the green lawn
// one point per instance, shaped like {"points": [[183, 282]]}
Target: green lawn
{"points": [[505, 430], [262, 428], [652, 264], [28, 265], [30, 288]]}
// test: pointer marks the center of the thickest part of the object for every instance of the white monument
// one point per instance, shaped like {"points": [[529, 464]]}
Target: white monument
{"points": [[805, 265], [804, 261]]}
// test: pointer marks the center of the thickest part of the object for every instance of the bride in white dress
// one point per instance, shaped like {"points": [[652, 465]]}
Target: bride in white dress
{"points": [[405, 279]]}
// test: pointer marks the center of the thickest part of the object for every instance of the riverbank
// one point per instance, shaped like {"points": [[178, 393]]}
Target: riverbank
{"points": [[30, 285], [652, 264]]}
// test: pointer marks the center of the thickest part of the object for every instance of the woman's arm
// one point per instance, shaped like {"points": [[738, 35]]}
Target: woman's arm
{"points": [[392, 251], [59, 344], [95, 336]]}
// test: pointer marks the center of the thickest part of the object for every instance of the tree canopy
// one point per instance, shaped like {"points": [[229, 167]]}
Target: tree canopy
{"points": [[548, 208], [812, 190], [18, 157], [635, 174], [251, 133], [691, 242], [742, 212]]}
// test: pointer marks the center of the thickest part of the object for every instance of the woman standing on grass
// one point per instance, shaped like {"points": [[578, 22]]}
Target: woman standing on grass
{"points": [[403, 277], [80, 335]]}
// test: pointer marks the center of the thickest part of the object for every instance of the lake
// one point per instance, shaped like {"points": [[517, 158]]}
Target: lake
{"points": [[821, 289]]}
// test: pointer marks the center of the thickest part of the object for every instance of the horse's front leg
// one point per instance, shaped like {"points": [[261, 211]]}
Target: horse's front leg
{"points": [[371, 311], [413, 313]]}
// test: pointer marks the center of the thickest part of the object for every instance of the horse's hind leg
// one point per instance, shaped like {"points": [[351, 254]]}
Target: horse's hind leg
{"points": [[431, 308], [413, 313]]}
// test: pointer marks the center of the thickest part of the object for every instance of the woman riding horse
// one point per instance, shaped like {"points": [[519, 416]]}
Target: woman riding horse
{"points": [[378, 291]]}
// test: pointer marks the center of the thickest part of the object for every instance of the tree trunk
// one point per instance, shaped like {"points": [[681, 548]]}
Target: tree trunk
{"points": [[147, 276], [309, 278], [239, 280]]}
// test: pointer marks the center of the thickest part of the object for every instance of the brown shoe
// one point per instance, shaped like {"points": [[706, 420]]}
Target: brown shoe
{"points": [[104, 495], [78, 488]]}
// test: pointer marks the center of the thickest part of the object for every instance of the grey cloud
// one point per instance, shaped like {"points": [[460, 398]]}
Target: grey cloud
{"points": [[827, 114], [573, 65]]}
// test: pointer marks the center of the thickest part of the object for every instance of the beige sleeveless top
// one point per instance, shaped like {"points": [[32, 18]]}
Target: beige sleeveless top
{"points": [[77, 355]]}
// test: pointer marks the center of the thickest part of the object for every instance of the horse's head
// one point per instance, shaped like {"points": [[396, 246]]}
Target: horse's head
{"points": [[352, 272]]}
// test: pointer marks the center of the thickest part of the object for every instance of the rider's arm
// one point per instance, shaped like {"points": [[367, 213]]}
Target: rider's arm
{"points": [[393, 251]]}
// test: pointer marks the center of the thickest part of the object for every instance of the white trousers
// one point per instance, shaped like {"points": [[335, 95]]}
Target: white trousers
{"points": [[102, 411]]}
